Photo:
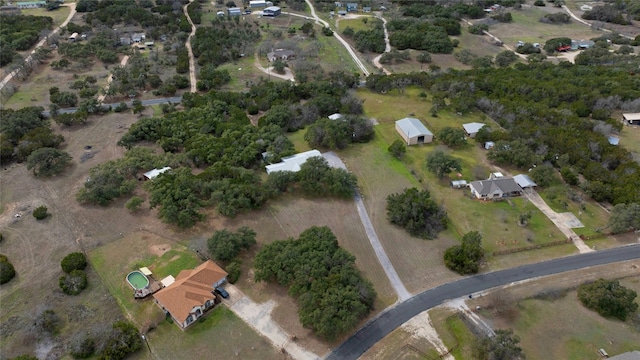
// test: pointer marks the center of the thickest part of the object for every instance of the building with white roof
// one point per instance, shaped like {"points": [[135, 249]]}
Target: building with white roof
{"points": [[413, 131], [292, 163]]}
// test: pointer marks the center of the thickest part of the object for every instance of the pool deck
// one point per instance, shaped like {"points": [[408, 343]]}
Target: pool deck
{"points": [[153, 287]]}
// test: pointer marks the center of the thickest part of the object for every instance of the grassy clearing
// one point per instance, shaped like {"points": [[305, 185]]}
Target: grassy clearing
{"points": [[220, 329], [564, 329], [355, 24], [453, 331], [630, 139], [497, 221], [220, 332], [115, 260], [592, 216], [59, 15], [527, 27]]}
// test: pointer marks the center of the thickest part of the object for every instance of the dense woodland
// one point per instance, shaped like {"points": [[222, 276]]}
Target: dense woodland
{"points": [[19, 33]]}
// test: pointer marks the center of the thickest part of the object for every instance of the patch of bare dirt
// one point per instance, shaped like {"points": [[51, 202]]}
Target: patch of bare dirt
{"points": [[159, 250]]}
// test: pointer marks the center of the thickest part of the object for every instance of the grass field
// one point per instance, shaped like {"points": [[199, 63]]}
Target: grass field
{"points": [[453, 331], [630, 140], [527, 27]]}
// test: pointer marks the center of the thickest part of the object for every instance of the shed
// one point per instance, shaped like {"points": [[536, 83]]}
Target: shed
{"points": [[366, 9], [472, 128], [631, 118], [413, 131], [234, 11], [220, 13], [292, 163], [73, 36], [138, 37], [459, 184], [524, 181], [150, 175], [253, 4], [145, 270], [148, 43], [271, 11], [342, 12], [489, 144], [335, 116]]}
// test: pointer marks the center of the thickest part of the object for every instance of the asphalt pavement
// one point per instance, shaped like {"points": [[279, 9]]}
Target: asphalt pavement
{"points": [[392, 318]]}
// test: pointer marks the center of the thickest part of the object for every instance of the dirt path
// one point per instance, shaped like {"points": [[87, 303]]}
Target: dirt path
{"points": [[387, 45], [123, 62], [557, 219], [394, 278], [288, 74], [10, 76], [192, 61], [258, 316], [353, 54], [421, 326]]}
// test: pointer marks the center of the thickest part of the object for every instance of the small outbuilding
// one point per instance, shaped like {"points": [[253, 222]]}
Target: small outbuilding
{"points": [[271, 11], [631, 118], [335, 116], [489, 144], [472, 128], [413, 131], [459, 184], [234, 11], [292, 163], [254, 4], [150, 175]]}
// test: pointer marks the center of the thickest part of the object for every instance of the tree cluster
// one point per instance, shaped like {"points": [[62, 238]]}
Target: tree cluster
{"points": [[338, 134], [624, 217], [332, 294], [608, 298], [417, 212], [7, 271], [441, 164], [224, 41], [19, 33], [368, 40], [466, 257], [75, 279], [225, 245], [556, 18], [606, 13], [420, 35]]}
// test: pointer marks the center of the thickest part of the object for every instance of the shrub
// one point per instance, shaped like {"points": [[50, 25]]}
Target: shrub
{"points": [[608, 298], [73, 261], [48, 322], [465, 258], [539, 3], [82, 347], [397, 149], [74, 282], [7, 272], [234, 271], [123, 340], [40, 212], [134, 203], [225, 245]]}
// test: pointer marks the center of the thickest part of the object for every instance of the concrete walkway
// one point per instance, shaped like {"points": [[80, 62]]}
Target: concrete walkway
{"points": [[258, 316], [394, 278], [557, 219]]}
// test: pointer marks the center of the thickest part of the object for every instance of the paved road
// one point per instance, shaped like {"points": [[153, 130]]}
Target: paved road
{"points": [[389, 320]]}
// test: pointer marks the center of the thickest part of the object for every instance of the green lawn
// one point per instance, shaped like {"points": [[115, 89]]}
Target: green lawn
{"points": [[593, 217], [355, 24], [630, 140], [453, 331]]}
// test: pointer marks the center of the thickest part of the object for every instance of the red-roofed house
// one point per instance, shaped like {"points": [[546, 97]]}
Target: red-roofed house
{"points": [[191, 295]]}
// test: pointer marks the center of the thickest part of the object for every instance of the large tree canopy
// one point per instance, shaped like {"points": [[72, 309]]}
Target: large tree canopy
{"points": [[332, 294], [415, 211], [608, 298]]}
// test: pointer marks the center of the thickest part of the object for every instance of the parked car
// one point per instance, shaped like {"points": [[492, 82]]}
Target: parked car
{"points": [[222, 292], [247, 12]]}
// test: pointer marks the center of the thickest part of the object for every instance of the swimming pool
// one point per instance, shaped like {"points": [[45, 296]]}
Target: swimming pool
{"points": [[137, 280]]}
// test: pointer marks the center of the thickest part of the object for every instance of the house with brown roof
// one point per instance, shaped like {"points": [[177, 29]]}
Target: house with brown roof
{"points": [[192, 293]]}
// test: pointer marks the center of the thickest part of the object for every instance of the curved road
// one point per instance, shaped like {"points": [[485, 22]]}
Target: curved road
{"points": [[392, 318]]}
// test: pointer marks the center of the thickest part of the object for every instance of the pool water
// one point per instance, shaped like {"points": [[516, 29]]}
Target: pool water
{"points": [[137, 280]]}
